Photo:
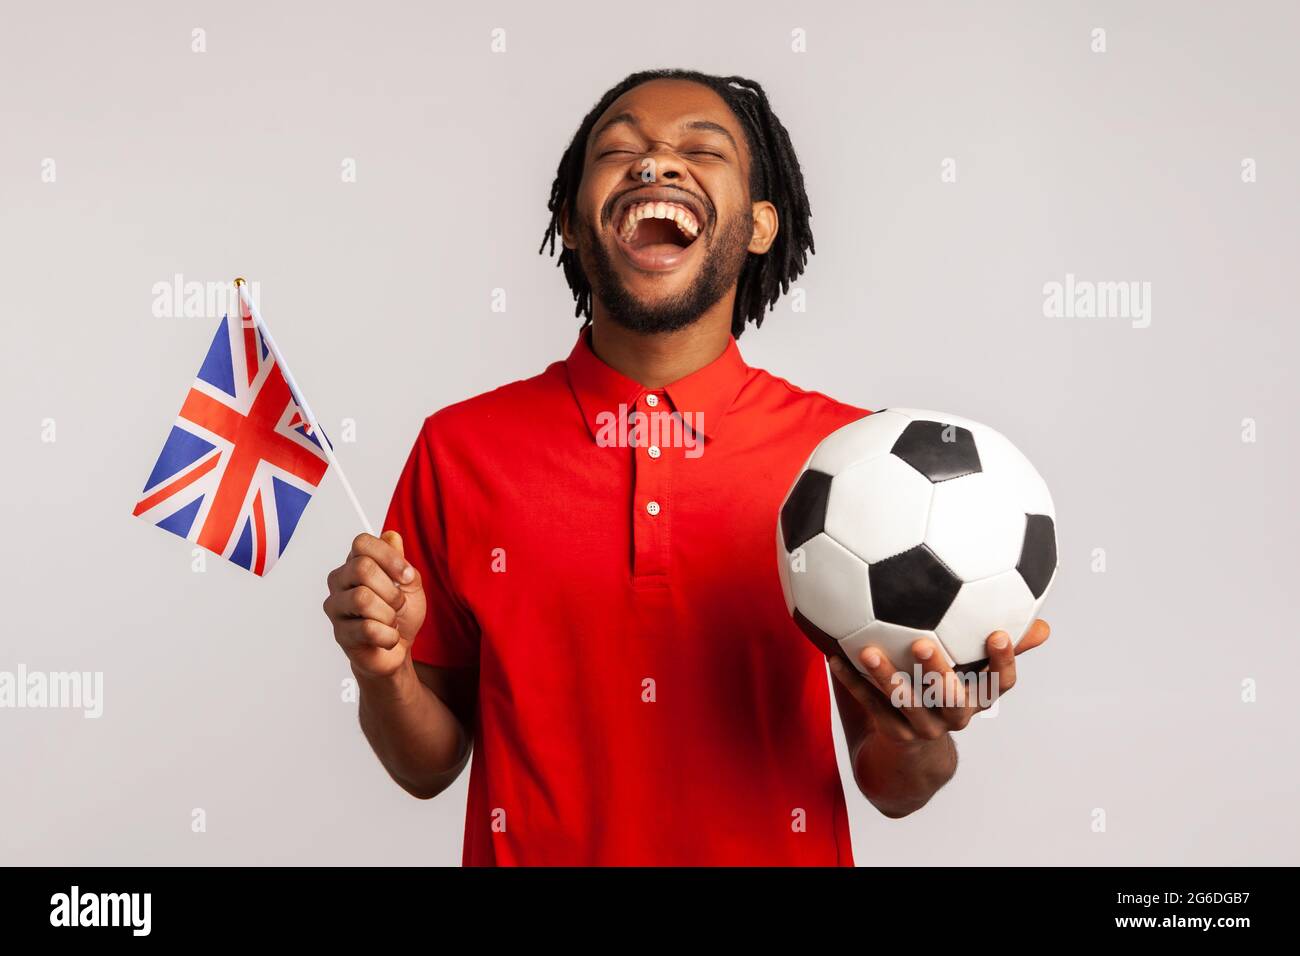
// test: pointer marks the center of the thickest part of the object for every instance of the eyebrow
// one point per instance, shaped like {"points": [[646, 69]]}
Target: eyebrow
{"points": [[706, 126]]}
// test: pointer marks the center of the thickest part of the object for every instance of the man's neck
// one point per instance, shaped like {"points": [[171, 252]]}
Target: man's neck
{"points": [[661, 358]]}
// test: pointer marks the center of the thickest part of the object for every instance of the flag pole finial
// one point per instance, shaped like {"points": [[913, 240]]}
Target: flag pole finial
{"points": [[239, 280]]}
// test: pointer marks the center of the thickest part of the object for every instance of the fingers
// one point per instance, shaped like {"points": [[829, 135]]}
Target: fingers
{"points": [[880, 670], [882, 715], [1002, 664], [360, 603], [374, 582], [953, 709], [1002, 657], [956, 707], [850, 678], [364, 571], [387, 552], [361, 633], [1038, 633], [902, 696], [371, 594]]}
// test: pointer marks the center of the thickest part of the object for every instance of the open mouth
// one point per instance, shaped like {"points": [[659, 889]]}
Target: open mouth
{"points": [[655, 234]]}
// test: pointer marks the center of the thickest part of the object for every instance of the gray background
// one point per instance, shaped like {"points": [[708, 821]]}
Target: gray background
{"points": [[222, 691]]}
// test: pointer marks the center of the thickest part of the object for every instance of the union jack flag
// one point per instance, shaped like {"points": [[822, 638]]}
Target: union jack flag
{"points": [[241, 462]]}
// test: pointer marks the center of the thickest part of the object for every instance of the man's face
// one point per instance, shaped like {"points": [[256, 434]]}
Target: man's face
{"points": [[663, 219]]}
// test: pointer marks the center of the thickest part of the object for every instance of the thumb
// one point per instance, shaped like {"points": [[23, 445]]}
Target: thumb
{"points": [[394, 541], [410, 582]]}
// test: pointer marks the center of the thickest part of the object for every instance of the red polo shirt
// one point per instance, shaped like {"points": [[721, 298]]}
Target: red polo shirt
{"points": [[644, 698]]}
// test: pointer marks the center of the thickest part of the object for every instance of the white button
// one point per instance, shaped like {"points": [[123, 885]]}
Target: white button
{"points": [[653, 451], [652, 508], [652, 399]]}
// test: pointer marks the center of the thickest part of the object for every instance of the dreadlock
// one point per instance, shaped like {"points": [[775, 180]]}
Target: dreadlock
{"points": [[774, 176]]}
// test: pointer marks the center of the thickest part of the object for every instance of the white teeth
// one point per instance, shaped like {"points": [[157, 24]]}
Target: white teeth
{"points": [[685, 223], [659, 210]]}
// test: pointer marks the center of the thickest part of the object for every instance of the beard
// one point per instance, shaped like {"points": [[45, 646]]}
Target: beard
{"points": [[723, 261]]}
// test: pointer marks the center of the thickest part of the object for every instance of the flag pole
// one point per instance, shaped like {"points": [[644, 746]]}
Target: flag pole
{"points": [[298, 397]]}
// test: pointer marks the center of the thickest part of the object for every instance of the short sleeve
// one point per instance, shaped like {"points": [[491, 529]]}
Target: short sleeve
{"points": [[449, 636]]}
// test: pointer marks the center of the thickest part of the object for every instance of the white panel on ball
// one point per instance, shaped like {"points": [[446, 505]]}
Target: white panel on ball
{"points": [[925, 415], [896, 641], [878, 508], [868, 437], [999, 603], [975, 529], [832, 591], [1005, 463]]}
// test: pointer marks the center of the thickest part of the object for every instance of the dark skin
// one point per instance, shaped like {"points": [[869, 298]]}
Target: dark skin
{"points": [[696, 145], [419, 719]]}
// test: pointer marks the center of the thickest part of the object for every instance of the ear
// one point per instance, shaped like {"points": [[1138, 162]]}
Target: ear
{"points": [[766, 224], [566, 234]]}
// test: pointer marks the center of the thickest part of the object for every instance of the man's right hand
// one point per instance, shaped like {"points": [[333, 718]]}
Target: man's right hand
{"points": [[376, 604]]}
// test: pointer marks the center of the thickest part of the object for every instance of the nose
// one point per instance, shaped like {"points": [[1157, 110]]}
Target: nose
{"points": [[659, 164]]}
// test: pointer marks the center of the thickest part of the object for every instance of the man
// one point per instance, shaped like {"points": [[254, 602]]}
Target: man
{"points": [[593, 609]]}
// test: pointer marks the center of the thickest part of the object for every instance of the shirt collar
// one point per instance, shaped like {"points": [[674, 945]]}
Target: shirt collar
{"points": [[702, 397]]}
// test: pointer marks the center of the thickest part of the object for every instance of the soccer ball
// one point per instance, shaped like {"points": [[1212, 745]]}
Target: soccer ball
{"points": [[909, 524]]}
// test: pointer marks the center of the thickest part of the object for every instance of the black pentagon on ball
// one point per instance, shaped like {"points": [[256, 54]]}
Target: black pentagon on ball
{"points": [[913, 589], [938, 451], [804, 513], [1037, 561]]}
